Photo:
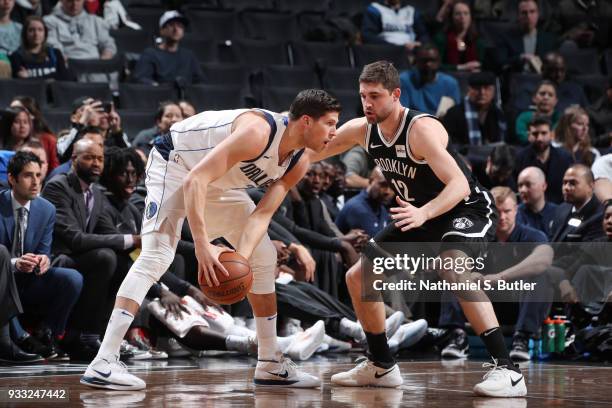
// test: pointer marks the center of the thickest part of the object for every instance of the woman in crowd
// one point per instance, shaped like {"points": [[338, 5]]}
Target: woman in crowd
{"points": [[573, 134], [16, 129], [461, 49], [35, 59], [168, 114], [545, 101]]}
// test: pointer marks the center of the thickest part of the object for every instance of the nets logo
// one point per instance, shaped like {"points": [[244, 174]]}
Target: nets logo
{"points": [[151, 210], [462, 223]]}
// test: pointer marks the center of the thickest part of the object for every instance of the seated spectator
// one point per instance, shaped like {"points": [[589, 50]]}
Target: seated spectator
{"points": [[88, 133], [167, 115], [602, 171], [534, 211], [367, 211], [26, 8], [388, 22], [44, 290], [36, 148], [35, 59], [424, 86], [553, 161], [601, 117], [338, 185], [459, 44], [86, 112], [90, 41], [86, 239], [498, 168], [187, 108], [579, 218], [477, 120], [358, 167], [545, 101], [42, 132], [10, 307], [522, 49], [568, 92], [572, 133], [583, 24], [169, 62], [10, 31], [533, 261], [16, 130], [110, 124], [329, 175]]}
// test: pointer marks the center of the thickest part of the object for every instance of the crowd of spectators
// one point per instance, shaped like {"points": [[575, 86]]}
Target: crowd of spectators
{"points": [[506, 80]]}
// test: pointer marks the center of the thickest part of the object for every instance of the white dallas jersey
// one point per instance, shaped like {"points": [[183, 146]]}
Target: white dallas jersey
{"points": [[195, 137]]}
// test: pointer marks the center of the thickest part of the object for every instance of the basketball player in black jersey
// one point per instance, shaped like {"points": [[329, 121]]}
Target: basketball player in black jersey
{"points": [[438, 201]]}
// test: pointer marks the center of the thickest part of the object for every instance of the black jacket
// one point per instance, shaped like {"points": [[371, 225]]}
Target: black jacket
{"points": [[588, 229]]}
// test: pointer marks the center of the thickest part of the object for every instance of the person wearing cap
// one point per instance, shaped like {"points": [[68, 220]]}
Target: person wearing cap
{"points": [[78, 34], [168, 62], [478, 120]]}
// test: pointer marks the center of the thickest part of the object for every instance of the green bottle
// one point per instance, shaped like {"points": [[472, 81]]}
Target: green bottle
{"points": [[548, 336], [559, 334]]}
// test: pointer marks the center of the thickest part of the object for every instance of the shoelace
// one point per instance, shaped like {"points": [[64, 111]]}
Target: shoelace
{"points": [[494, 369], [287, 363], [361, 362]]}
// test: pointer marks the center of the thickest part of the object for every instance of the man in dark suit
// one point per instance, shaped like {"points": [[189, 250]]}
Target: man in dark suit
{"points": [[10, 306], [580, 217], [540, 153], [87, 239], [27, 228], [522, 49]]}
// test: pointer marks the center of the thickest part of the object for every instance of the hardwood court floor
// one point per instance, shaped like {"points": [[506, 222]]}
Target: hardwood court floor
{"points": [[225, 381]]}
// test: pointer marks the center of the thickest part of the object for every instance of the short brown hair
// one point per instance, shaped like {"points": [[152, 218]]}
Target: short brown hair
{"points": [[313, 102], [381, 72], [501, 194]]}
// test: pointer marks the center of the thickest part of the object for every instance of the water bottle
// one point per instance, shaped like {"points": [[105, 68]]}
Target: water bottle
{"points": [[560, 331], [548, 336]]}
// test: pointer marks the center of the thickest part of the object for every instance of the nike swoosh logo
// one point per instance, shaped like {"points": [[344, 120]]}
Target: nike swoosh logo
{"points": [[470, 202], [266, 157], [372, 146], [283, 375], [516, 382], [105, 375], [376, 375]]}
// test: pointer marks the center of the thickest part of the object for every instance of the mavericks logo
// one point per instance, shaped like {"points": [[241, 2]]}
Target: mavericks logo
{"points": [[151, 210], [462, 223]]}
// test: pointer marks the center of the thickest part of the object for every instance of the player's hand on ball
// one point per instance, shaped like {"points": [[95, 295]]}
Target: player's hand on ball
{"points": [[407, 216], [208, 259]]}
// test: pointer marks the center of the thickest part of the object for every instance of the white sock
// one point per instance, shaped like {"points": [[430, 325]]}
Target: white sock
{"points": [[118, 325], [351, 329], [237, 343], [267, 346], [284, 342]]}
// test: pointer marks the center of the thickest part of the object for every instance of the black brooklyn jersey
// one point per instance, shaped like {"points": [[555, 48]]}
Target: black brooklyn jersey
{"points": [[413, 180]]}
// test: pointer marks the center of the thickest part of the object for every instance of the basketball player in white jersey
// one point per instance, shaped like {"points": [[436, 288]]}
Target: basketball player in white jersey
{"points": [[200, 170], [438, 201]]}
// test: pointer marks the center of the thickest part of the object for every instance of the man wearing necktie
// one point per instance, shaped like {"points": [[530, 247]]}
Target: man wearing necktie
{"points": [[27, 228]]}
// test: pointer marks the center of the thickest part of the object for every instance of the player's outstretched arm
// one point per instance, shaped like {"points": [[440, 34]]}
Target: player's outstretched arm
{"points": [[248, 140], [350, 134], [428, 141], [257, 223]]}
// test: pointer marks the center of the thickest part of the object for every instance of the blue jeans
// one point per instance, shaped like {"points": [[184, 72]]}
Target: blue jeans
{"points": [[51, 295]]}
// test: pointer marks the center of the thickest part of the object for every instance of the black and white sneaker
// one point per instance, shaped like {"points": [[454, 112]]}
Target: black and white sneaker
{"points": [[520, 347], [110, 373], [457, 346], [284, 373], [367, 374], [500, 381]]}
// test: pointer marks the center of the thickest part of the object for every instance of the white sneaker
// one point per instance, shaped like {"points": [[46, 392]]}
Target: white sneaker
{"points": [[304, 344], [408, 335], [283, 372], [336, 346], [112, 374], [367, 374], [501, 382], [393, 323]]}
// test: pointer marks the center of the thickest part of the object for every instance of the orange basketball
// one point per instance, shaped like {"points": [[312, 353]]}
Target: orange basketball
{"points": [[232, 288]]}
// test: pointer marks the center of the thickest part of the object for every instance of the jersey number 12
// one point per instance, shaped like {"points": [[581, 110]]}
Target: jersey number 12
{"points": [[402, 189]]}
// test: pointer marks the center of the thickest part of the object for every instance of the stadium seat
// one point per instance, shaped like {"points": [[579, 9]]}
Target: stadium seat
{"points": [[57, 119], [133, 121], [367, 53], [264, 25], [582, 61], [349, 8], [240, 5], [205, 50], [286, 76], [320, 54], [143, 97], [10, 88], [350, 101], [225, 74], [147, 17], [594, 85], [63, 93], [341, 78], [132, 41], [98, 66], [213, 24], [521, 89], [278, 99], [215, 97], [300, 6], [256, 53]]}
